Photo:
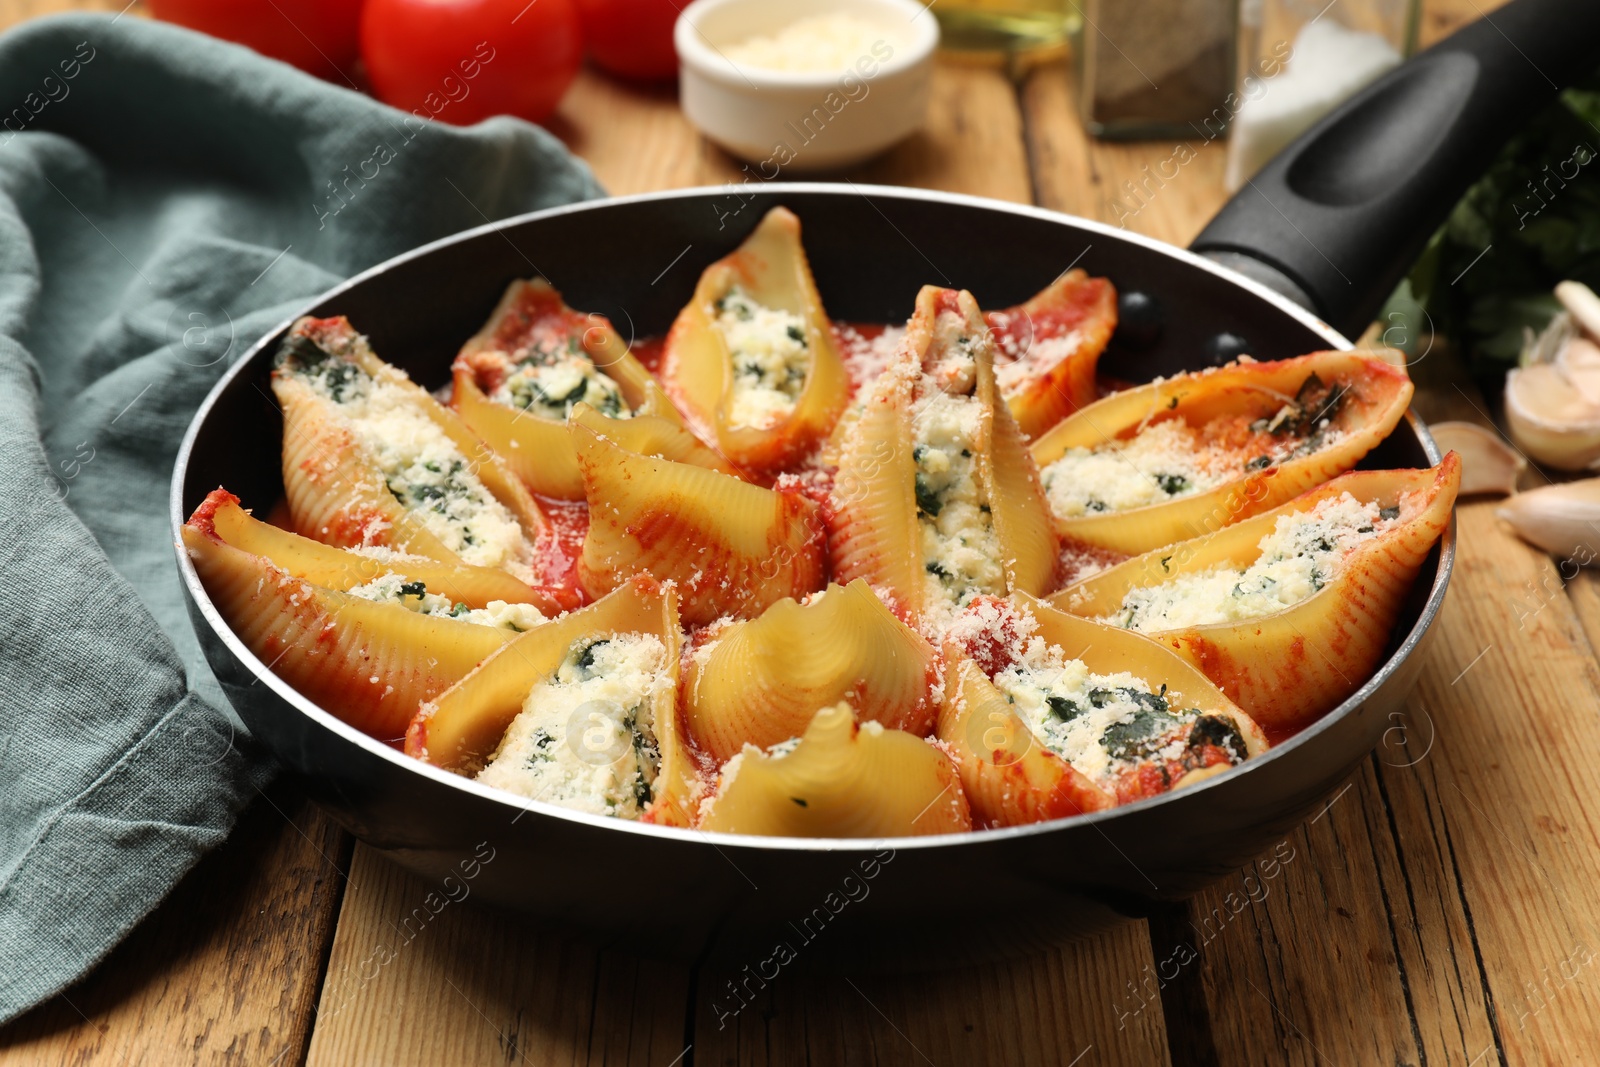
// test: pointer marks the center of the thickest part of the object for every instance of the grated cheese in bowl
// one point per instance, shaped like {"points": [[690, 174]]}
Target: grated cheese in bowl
{"points": [[818, 44]]}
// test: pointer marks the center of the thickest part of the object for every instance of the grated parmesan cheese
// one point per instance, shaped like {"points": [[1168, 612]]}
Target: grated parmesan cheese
{"points": [[822, 44], [1297, 559], [1099, 723], [1165, 461], [414, 596], [1172, 459], [585, 738]]}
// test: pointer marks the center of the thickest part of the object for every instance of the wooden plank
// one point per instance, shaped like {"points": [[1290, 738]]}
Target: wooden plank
{"points": [[635, 137], [972, 142], [1514, 691], [1164, 189], [412, 980], [1341, 946], [226, 970], [1058, 1007]]}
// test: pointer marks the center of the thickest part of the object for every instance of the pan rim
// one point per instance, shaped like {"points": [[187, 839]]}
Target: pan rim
{"points": [[514, 805]]}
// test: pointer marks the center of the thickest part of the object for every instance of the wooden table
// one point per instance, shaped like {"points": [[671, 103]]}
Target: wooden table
{"points": [[1443, 909]]}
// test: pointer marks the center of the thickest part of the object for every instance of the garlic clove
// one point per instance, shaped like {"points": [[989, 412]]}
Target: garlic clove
{"points": [[1579, 362], [1564, 520], [1544, 392], [1488, 464], [1550, 420], [1582, 304]]}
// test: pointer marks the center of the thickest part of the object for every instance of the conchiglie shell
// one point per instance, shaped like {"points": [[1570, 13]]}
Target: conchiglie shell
{"points": [[220, 516], [460, 729], [334, 492], [1049, 347], [762, 681], [1112, 650], [538, 450], [697, 367], [369, 664], [647, 435], [334, 489], [1290, 668], [1020, 512], [732, 548], [1011, 777], [1008, 776], [841, 780], [1380, 394], [875, 534]]}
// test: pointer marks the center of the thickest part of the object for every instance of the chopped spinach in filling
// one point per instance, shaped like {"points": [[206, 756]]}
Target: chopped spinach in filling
{"points": [[771, 357]]}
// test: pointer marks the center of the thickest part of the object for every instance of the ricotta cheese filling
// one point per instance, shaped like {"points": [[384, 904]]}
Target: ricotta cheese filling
{"points": [[1162, 462], [1099, 723], [549, 387], [414, 596], [1172, 459], [960, 549], [585, 738], [1302, 554], [424, 469], [955, 370], [771, 358]]}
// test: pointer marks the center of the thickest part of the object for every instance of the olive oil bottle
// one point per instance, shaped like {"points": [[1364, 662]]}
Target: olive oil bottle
{"points": [[1006, 28]]}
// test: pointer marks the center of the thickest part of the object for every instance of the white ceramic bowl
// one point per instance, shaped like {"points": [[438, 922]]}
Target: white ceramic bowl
{"points": [[784, 121]]}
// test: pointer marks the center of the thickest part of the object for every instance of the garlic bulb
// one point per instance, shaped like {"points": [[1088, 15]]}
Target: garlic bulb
{"points": [[1488, 464], [1553, 398], [1564, 520]]}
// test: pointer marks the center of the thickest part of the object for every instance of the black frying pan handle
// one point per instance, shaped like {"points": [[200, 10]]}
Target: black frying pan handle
{"points": [[1342, 212]]}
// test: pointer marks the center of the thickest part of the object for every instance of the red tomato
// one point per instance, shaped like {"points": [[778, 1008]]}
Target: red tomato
{"points": [[632, 38], [462, 61], [320, 36]]}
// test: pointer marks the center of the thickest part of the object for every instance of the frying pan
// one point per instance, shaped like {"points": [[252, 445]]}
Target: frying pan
{"points": [[1314, 245]]}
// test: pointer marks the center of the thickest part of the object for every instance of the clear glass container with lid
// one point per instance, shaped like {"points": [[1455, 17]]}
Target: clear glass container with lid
{"points": [[1298, 60], [1155, 68]]}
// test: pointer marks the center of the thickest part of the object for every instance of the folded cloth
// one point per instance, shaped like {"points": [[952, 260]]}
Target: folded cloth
{"points": [[165, 198]]}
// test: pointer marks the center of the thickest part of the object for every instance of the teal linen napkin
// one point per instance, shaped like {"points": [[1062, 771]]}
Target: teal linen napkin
{"points": [[165, 199]]}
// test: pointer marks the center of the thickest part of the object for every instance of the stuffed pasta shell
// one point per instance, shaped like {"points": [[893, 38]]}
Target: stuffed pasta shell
{"points": [[581, 712], [1047, 716], [1290, 611], [731, 547], [1048, 348], [935, 499], [760, 681], [221, 515], [369, 458], [751, 357], [516, 381], [370, 650], [1181, 457], [839, 779]]}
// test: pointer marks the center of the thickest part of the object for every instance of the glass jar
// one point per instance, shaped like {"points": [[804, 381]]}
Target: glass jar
{"points": [[1154, 68], [1006, 29], [1298, 60]]}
